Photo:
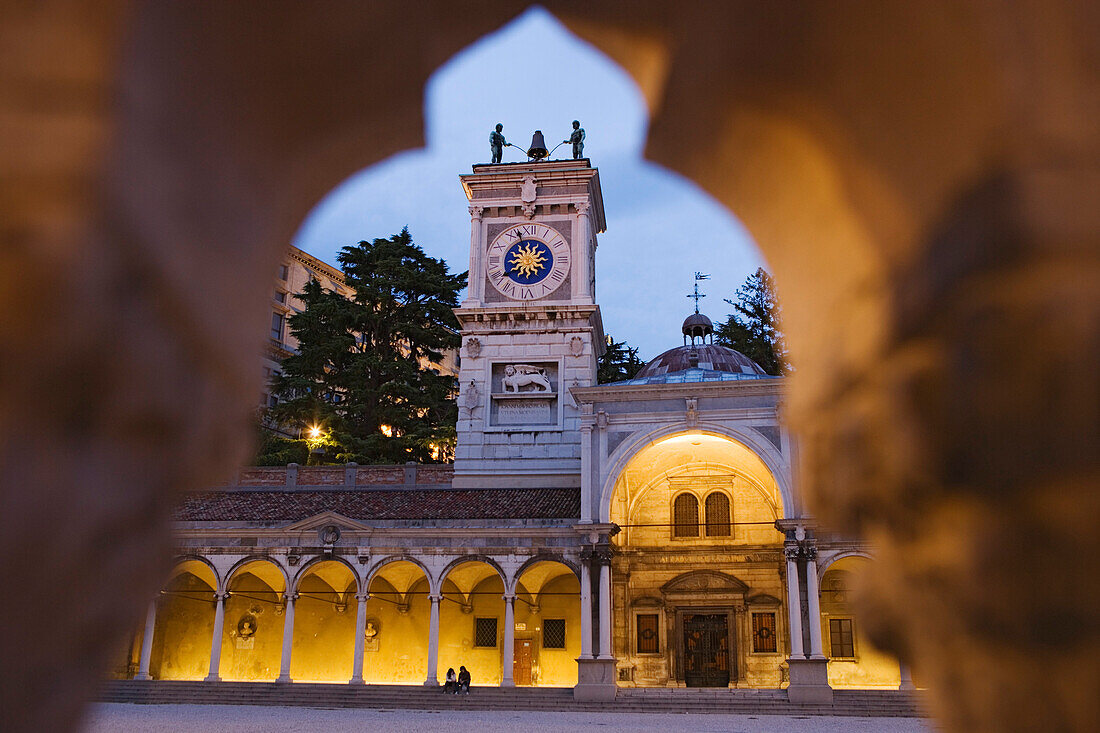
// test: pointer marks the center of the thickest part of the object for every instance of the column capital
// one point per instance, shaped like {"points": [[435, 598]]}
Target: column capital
{"points": [[362, 597], [476, 211], [509, 597], [435, 597], [290, 597], [582, 207], [222, 597]]}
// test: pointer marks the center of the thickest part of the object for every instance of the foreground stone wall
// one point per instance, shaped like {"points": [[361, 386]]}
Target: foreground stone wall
{"points": [[924, 202]]}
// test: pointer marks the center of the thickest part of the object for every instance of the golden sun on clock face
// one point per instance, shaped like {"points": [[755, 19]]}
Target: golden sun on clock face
{"points": [[527, 261]]}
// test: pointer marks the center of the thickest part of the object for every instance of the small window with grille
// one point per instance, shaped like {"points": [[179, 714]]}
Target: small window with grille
{"points": [[649, 638], [841, 639], [763, 633], [553, 633], [685, 516], [485, 632], [718, 514]]}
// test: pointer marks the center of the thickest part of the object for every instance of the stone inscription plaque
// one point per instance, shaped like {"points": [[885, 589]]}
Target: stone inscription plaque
{"points": [[525, 412]]}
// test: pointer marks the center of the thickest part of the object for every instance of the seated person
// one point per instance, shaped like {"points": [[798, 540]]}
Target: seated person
{"points": [[451, 684], [463, 681]]}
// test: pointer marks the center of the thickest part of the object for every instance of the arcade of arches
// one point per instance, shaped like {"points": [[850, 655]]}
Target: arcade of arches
{"points": [[699, 584]]}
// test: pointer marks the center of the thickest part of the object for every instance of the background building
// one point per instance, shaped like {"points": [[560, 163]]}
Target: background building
{"points": [[297, 269]]}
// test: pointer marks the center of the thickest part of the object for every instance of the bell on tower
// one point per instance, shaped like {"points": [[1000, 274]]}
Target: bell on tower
{"points": [[538, 150]]}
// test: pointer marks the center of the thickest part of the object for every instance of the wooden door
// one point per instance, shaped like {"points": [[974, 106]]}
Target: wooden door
{"points": [[521, 662]]}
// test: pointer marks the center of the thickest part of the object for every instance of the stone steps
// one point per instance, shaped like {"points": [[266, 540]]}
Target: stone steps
{"points": [[857, 703]]}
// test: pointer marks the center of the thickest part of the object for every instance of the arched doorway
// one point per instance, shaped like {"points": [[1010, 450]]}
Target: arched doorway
{"points": [[324, 629], [473, 618], [253, 629], [854, 662], [185, 623], [395, 649], [698, 542], [548, 625]]}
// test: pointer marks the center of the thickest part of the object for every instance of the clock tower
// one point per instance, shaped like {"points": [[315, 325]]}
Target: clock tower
{"points": [[531, 329]]}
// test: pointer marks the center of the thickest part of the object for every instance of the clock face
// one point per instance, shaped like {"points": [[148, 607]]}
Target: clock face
{"points": [[528, 261]]}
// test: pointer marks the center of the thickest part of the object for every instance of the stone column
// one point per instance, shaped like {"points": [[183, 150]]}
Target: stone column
{"points": [[794, 602], [586, 606], [586, 467], [216, 642], [605, 605], [906, 677], [432, 679], [147, 642], [581, 275], [814, 598], [477, 277], [288, 638], [360, 629], [508, 659]]}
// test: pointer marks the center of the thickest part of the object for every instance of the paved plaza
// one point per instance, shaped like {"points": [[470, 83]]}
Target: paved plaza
{"points": [[125, 718]]}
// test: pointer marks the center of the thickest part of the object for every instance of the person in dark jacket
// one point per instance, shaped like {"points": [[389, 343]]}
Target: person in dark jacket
{"points": [[463, 681]]}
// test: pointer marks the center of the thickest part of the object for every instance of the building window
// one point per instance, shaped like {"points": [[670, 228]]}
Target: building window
{"points": [[284, 271], [280, 296], [649, 637], [485, 632], [553, 633], [718, 514], [763, 633], [277, 326], [685, 513], [841, 641]]}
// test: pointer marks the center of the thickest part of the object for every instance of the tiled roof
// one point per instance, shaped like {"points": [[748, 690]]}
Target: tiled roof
{"points": [[692, 375], [708, 357], [291, 506]]}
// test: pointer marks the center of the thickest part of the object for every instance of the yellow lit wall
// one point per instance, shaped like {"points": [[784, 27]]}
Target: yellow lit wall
{"points": [[184, 630], [871, 667], [253, 597], [402, 654], [644, 490], [323, 635], [559, 598], [456, 632]]}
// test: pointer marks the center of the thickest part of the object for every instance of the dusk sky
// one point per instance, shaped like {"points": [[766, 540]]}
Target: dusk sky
{"points": [[533, 74]]}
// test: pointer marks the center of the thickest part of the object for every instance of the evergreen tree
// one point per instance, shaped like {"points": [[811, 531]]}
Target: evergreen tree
{"points": [[359, 372], [754, 326], [619, 362]]}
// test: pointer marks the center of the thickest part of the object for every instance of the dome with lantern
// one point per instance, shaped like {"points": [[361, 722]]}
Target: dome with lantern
{"points": [[699, 359]]}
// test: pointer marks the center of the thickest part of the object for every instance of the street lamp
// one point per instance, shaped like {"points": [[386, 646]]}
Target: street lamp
{"points": [[315, 438]]}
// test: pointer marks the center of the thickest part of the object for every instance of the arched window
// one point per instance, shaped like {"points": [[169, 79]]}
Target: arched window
{"points": [[718, 514], [685, 516]]}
